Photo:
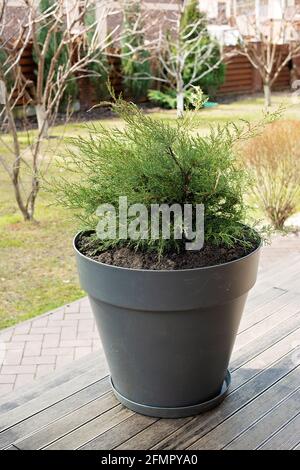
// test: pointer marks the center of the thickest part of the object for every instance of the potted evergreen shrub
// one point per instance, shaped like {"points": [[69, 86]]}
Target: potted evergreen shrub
{"points": [[167, 316]]}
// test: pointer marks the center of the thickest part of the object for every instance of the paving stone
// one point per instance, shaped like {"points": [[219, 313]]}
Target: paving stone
{"points": [[23, 379], [80, 352], [58, 351], [41, 322], [13, 357], [72, 308], [88, 335], [96, 345], [6, 388], [64, 360], [68, 332], [39, 360], [76, 343], [28, 337], [33, 349], [17, 345], [45, 330], [18, 369], [56, 315], [51, 340], [7, 378], [22, 329], [62, 323], [86, 312], [6, 335], [44, 369], [74, 317], [86, 325]]}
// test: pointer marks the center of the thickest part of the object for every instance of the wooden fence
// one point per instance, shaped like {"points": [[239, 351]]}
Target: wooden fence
{"points": [[27, 66], [241, 77], [27, 63]]}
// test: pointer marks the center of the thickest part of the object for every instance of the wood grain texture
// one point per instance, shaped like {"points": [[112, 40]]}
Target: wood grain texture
{"points": [[37, 422], [270, 424], [287, 438], [75, 409], [92, 429], [48, 398], [67, 424]]}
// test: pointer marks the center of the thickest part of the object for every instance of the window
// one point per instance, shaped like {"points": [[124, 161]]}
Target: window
{"points": [[222, 10], [264, 8], [245, 7]]}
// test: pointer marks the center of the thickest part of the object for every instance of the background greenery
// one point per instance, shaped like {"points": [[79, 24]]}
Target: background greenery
{"points": [[37, 267], [71, 90], [153, 161], [210, 83], [137, 65]]}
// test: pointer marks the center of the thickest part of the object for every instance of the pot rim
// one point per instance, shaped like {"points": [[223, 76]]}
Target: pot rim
{"points": [[121, 268]]}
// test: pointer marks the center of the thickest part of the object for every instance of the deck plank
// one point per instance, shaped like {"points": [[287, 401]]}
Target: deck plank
{"points": [[280, 347], [291, 283], [112, 438], [280, 275], [48, 398], [75, 409], [252, 412], [120, 433], [61, 376], [89, 431], [260, 298], [67, 424], [266, 309], [287, 438], [188, 434], [269, 425], [153, 434], [265, 359], [268, 323], [182, 436], [38, 421], [246, 353]]}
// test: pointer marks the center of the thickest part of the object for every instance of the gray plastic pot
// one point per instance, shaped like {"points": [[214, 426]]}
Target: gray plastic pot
{"points": [[168, 335]]}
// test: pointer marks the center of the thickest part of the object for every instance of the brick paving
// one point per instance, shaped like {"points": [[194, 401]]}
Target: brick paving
{"points": [[37, 347]]}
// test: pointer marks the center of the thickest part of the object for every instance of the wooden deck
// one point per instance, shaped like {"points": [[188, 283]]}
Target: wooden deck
{"points": [[75, 409]]}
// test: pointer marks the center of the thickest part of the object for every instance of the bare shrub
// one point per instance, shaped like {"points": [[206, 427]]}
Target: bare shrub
{"points": [[274, 157]]}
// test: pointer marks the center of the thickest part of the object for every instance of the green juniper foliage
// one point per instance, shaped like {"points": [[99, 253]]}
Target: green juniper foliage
{"points": [[210, 72], [4, 66], [154, 162], [168, 99], [214, 79]]}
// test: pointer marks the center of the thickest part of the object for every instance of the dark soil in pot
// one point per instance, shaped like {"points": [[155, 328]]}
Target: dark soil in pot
{"points": [[126, 257]]}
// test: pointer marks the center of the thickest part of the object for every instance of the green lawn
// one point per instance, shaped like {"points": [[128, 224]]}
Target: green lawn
{"points": [[37, 266]]}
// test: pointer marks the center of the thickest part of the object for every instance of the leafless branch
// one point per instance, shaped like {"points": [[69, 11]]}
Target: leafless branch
{"points": [[269, 44], [80, 46]]}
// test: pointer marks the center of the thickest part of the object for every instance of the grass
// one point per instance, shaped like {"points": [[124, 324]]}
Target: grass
{"points": [[37, 265]]}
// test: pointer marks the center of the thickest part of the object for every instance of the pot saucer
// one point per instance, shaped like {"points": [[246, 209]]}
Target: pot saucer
{"points": [[180, 412]]}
